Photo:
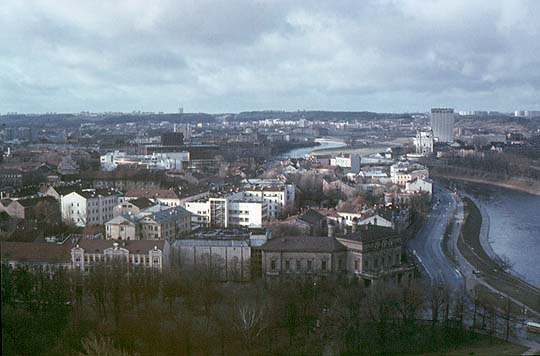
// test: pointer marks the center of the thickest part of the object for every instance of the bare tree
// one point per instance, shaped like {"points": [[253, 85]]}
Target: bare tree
{"points": [[95, 345], [250, 322]]}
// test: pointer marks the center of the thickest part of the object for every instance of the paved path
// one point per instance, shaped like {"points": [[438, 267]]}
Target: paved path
{"points": [[427, 245]]}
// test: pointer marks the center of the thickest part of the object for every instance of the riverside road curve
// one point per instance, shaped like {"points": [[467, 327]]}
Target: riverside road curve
{"points": [[427, 245]]}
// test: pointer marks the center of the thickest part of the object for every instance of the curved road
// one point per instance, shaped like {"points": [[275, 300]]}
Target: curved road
{"points": [[427, 245]]}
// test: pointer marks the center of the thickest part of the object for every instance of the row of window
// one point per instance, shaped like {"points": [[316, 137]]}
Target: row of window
{"points": [[299, 265], [136, 259]]}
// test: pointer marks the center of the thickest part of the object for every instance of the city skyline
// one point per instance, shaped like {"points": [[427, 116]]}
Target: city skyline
{"points": [[375, 56]]}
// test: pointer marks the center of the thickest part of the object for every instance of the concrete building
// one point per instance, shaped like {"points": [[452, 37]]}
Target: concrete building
{"points": [[351, 161], [172, 139], [279, 196], [170, 161], [442, 124], [227, 255], [236, 209], [423, 142], [89, 206]]}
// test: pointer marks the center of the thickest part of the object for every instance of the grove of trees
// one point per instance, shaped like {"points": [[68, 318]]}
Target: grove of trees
{"points": [[110, 312]]}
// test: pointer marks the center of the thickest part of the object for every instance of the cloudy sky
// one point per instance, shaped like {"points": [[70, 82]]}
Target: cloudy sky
{"points": [[237, 55]]}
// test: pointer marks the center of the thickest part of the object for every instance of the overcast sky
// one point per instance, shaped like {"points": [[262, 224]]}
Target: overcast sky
{"points": [[236, 55]]}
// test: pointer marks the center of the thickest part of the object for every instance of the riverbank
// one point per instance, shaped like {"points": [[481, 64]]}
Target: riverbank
{"points": [[520, 184], [488, 270]]}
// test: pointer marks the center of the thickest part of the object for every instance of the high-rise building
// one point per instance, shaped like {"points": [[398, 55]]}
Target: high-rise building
{"points": [[442, 124], [172, 139]]}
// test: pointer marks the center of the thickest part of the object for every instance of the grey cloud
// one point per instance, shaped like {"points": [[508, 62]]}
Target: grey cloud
{"points": [[239, 55]]}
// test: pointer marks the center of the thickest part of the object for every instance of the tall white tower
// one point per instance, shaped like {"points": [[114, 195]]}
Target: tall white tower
{"points": [[442, 124]]}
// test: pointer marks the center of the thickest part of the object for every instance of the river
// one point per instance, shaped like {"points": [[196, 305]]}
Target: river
{"points": [[514, 227], [324, 144]]}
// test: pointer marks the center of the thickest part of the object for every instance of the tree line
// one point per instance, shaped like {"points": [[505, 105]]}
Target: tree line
{"points": [[110, 311]]}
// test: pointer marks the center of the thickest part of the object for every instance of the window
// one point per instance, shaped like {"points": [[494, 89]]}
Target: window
{"points": [[340, 264], [356, 265], [323, 265], [273, 265], [298, 265], [310, 265], [287, 265]]}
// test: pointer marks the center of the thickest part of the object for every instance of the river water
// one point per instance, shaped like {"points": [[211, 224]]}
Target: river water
{"points": [[514, 227], [324, 144]]}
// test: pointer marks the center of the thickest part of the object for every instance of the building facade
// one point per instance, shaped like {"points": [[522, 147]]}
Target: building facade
{"points": [[89, 206], [237, 209], [89, 253], [442, 124], [423, 143], [294, 256]]}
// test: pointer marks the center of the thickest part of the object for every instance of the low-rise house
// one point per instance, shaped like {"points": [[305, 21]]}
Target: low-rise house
{"points": [[136, 207], [403, 172], [166, 197], [45, 209], [315, 222], [420, 185], [34, 255], [89, 253]]}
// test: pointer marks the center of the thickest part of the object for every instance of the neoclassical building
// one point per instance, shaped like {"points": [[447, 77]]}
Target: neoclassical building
{"points": [[88, 253]]}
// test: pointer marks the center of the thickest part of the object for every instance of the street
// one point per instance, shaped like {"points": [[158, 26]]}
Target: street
{"points": [[427, 245]]}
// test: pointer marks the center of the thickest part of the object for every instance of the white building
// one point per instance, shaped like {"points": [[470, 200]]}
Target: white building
{"points": [[347, 160], [170, 161], [89, 206], [442, 124], [420, 185], [121, 228], [403, 172], [238, 209], [424, 143], [89, 253], [279, 196], [166, 197]]}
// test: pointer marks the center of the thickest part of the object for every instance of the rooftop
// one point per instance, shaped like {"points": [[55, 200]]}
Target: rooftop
{"points": [[371, 232], [133, 246], [303, 244], [30, 252]]}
